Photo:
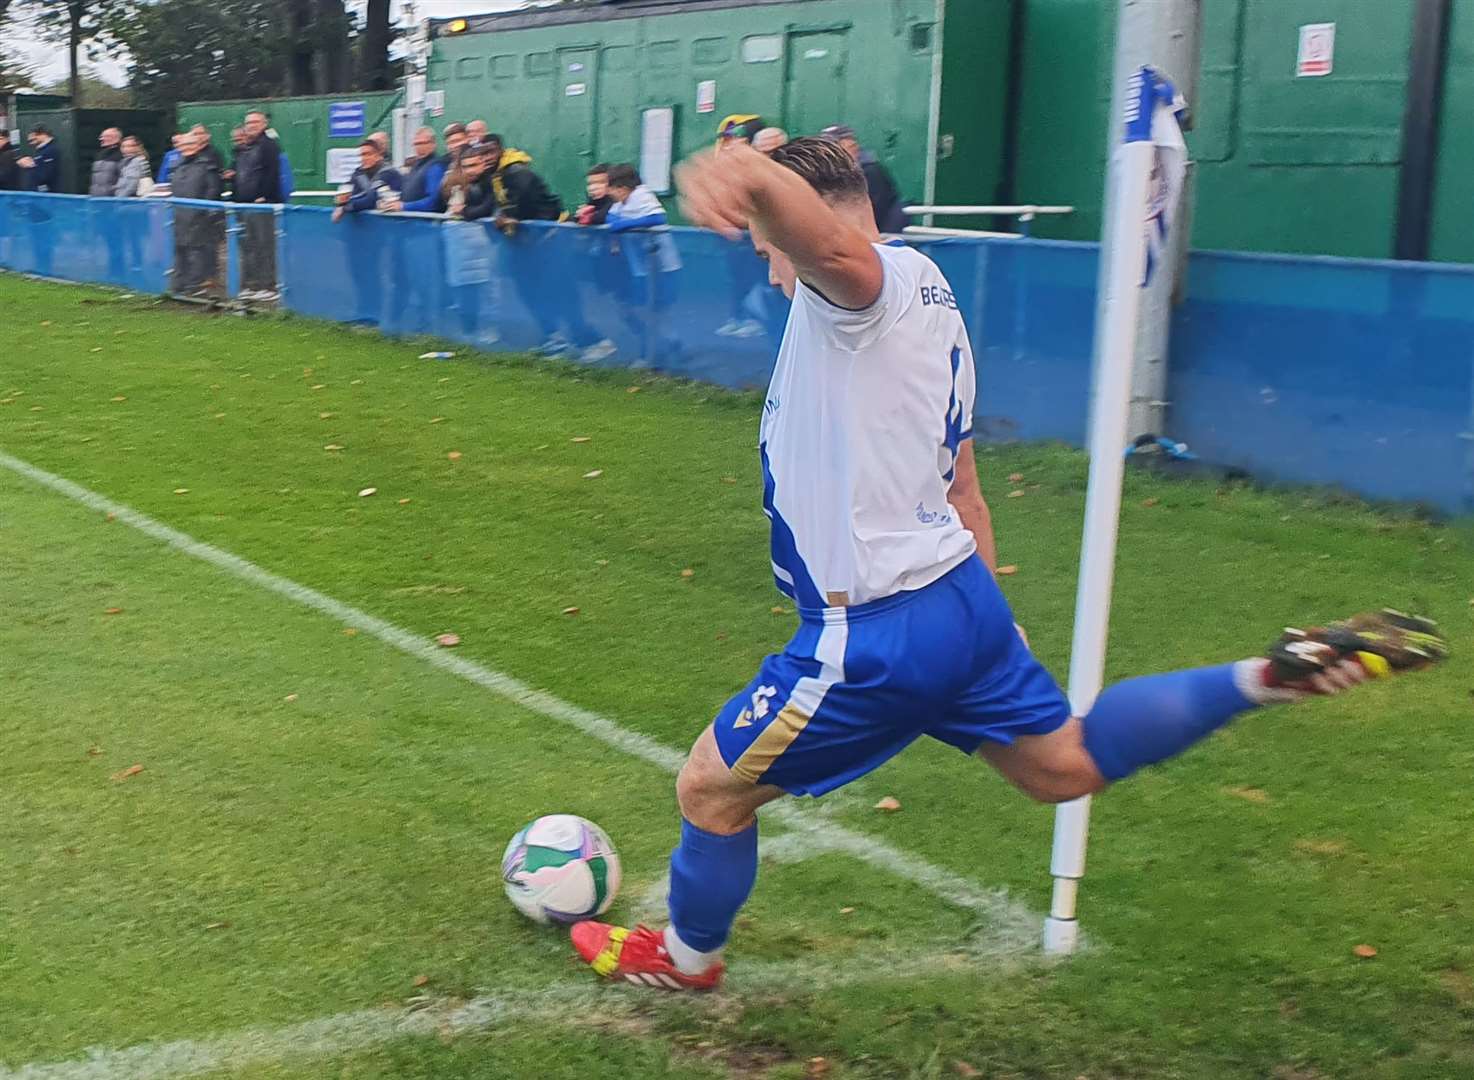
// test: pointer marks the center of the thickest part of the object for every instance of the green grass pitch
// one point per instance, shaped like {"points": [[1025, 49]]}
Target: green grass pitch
{"points": [[303, 880]]}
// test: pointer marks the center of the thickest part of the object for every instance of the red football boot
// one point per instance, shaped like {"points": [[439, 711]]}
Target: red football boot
{"points": [[636, 956]]}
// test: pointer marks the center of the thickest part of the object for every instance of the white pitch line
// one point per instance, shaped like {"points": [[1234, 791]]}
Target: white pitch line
{"points": [[1015, 924], [366, 1029]]}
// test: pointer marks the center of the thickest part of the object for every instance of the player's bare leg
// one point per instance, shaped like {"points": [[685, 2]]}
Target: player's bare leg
{"points": [[712, 872]]}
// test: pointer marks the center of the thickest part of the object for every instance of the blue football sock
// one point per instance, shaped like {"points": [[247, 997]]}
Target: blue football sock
{"points": [[1143, 721], [710, 879]]}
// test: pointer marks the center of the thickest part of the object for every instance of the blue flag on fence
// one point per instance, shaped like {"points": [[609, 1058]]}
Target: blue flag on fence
{"points": [[1153, 112]]}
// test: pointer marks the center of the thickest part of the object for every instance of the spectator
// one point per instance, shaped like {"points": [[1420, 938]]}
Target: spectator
{"points": [[422, 180], [196, 232], [769, 139], [43, 164], [12, 176], [456, 140], [133, 172], [171, 156], [372, 185], [480, 200], [740, 126], [596, 210], [476, 133], [237, 144], [107, 163], [521, 194], [885, 200], [654, 263], [381, 140], [258, 180]]}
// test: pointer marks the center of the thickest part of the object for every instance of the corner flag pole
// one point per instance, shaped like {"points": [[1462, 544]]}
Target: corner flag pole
{"points": [[1147, 171]]}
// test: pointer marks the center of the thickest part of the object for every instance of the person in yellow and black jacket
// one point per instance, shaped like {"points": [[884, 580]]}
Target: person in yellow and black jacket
{"points": [[521, 194]]}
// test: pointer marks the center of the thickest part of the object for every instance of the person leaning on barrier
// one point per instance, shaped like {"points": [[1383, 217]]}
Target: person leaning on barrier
{"points": [[422, 179], [373, 185], [43, 163], [171, 157], [12, 176], [196, 232], [521, 194], [476, 133], [478, 194], [596, 210], [133, 178]]}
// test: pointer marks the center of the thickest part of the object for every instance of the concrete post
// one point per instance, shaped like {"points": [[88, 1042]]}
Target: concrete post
{"points": [[1166, 34]]}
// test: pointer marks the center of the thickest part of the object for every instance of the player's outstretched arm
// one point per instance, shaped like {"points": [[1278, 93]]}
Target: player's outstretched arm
{"points": [[740, 188]]}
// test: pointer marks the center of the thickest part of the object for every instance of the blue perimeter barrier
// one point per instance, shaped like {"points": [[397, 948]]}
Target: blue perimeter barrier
{"points": [[1351, 373]]}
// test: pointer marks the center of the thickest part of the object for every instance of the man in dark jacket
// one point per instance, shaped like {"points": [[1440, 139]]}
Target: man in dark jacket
{"points": [[422, 180], [885, 200], [12, 176], [258, 180], [521, 194], [195, 176], [481, 200], [374, 185], [107, 163], [43, 164]]}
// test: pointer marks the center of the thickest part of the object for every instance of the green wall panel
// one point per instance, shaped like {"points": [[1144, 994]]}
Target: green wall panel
{"points": [[1453, 201]]}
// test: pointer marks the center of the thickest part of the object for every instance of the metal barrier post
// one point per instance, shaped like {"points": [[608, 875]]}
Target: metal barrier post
{"points": [[233, 229], [279, 241]]}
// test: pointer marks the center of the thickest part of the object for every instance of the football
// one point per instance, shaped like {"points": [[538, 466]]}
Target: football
{"points": [[560, 869]]}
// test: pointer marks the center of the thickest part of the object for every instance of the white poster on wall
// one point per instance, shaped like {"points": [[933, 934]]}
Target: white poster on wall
{"points": [[1317, 50], [706, 96], [657, 147], [340, 164]]}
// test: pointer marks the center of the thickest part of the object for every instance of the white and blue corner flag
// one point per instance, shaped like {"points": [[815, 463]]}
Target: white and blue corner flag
{"points": [[1153, 111]]}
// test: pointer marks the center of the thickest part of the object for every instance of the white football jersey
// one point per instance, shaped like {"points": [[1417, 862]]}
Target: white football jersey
{"points": [[860, 433]]}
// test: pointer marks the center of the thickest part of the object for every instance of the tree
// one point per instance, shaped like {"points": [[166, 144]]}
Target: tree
{"points": [[374, 71], [78, 23], [95, 94], [193, 50]]}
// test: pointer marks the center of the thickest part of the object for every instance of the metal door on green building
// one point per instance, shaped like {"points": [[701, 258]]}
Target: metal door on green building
{"points": [[815, 90], [574, 137]]}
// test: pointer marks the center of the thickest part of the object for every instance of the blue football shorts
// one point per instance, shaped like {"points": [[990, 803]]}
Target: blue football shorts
{"points": [[857, 685]]}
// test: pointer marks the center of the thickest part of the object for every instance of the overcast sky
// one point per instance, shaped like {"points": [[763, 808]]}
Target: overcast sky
{"points": [[50, 61]]}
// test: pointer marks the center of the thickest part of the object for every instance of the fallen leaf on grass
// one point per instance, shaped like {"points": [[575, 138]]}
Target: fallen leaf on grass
{"points": [[1321, 847], [421, 980], [688, 573], [890, 802], [778, 610], [359, 382], [1016, 478], [1365, 952], [594, 474], [1007, 571], [1017, 493], [45, 322], [966, 1070], [120, 397], [114, 517], [366, 492], [448, 641], [326, 415], [454, 455], [1148, 502], [131, 770], [38, 408], [581, 438], [633, 390], [290, 697], [217, 926], [437, 419], [350, 631], [332, 446], [113, 611], [319, 386], [95, 348], [816, 1067], [601, 562], [94, 751], [403, 502], [846, 911], [220, 416], [181, 491], [733, 480], [570, 611], [1249, 794]]}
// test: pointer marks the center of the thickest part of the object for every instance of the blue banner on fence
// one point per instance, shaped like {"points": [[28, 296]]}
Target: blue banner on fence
{"points": [[347, 120], [1342, 372]]}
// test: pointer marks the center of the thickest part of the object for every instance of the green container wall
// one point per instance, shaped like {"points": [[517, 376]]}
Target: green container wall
{"points": [[301, 123], [801, 65], [1453, 198], [76, 132], [974, 102], [1284, 163]]}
